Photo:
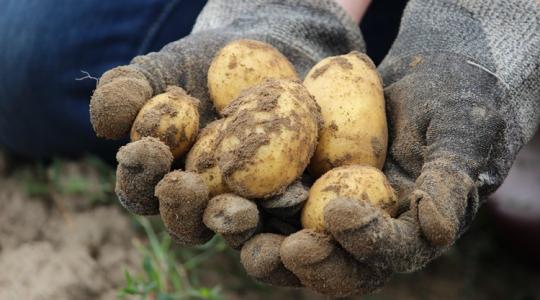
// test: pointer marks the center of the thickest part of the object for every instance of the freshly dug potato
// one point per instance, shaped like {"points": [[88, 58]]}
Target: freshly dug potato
{"points": [[268, 137], [362, 183], [243, 64], [141, 165], [349, 91], [183, 196], [201, 159], [172, 117]]}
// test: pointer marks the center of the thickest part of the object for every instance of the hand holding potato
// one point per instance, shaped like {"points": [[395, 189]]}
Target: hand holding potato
{"points": [[263, 144], [447, 116], [240, 172], [312, 28]]}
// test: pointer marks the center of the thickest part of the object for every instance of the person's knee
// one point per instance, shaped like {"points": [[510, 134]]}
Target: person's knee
{"points": [[43, 109]]}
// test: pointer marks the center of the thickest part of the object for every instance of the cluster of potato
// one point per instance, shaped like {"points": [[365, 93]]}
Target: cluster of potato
{"points": [[273, 129]]}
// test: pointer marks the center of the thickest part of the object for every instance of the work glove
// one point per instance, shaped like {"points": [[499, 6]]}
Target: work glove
{"points": [[305, 31], [462, 85]]}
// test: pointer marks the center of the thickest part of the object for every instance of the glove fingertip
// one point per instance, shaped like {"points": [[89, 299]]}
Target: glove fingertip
{"points": [[321, 265], [354, 225], [436, 228], [261, 259], [231, 214], [141, 164], [183, 196], [115, 104]]}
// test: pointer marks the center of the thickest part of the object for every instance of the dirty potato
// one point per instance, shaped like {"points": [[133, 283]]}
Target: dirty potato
{"points": [[243, 64], [201, 159], [361, 183], [268, 137], [172, 117], [349, 91]]}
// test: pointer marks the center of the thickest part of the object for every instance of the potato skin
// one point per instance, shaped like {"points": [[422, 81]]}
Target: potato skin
{"points": [[349, 91], [201, 159], [172, 117], [243, 64], [362, 183], [268, 138]]}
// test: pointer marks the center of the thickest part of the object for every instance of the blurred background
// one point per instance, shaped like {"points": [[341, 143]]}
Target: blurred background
{"points": [[63, 234]]}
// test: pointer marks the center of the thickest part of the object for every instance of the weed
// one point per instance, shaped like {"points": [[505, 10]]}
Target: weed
{"points": [[170, 275], [47, 180]]}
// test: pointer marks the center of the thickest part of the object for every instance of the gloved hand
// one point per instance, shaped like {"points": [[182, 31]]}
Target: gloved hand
{"points": [[462, 87], [304, 31]]}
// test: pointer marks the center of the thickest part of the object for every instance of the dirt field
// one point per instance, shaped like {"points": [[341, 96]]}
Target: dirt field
{"points": [[63, 236]]}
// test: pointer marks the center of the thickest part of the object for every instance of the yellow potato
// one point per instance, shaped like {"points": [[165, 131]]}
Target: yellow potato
{"points": [[349, 91], [242, 64], [201, 159], [172, 117], [268, 138], [362, 183]]}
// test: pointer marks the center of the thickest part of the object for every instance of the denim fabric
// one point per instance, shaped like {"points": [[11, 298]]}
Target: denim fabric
{"points": [[44, 45]]}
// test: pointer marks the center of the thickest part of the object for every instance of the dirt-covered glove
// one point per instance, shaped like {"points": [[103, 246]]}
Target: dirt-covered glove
{"points": [[304, 31], [145, 185], [462, 87]]}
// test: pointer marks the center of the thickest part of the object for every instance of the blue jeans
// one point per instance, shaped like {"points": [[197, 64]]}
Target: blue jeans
{"points": [[44, 45]]}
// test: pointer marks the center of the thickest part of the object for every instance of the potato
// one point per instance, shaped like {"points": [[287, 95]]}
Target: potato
{"points": [[349, 91], [268, 138], [362, 183], [201, 159], [172, 117], [243, 64]]}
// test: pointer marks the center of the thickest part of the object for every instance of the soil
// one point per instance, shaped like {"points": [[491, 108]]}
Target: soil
{"points": [[61, 247]]}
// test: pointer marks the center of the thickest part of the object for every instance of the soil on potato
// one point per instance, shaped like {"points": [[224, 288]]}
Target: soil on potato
{"points": [[60, 247]]}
